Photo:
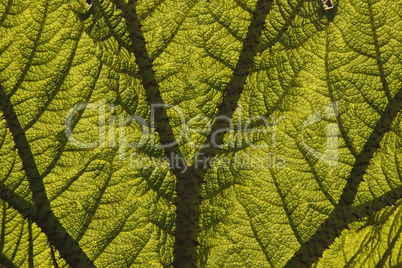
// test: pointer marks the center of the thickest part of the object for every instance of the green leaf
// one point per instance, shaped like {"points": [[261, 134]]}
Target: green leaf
{"points": [[300, 107]]}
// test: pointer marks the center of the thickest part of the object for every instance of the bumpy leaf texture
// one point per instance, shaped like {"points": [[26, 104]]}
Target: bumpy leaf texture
{"points": [[317, 181]]}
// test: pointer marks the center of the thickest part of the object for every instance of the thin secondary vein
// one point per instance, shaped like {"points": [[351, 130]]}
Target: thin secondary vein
{"points": [[339, 218], [33, 52], [45, 219]]}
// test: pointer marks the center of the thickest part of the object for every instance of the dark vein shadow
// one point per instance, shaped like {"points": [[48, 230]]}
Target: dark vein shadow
{"points": [[17, 244], [97, 197], [315, 174], [73, 178], [98, 7], [6, 11], [284, 28], [6, 262], [45, 219], [54, 260], [380, 61], [340, 216], [171, 36], [189, 183], [144, 62], [56, 88], [112, 233], [62, 138], [33, 52], [26, 209], [351, 262], [161, 124], [232, 92], [286, 208], [369, 208], [342, 129], [257, 237], [226, 26], [390, 247]]}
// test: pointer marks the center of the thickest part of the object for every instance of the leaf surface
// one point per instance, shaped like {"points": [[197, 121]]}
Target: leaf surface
{"points": [[316, 182]]}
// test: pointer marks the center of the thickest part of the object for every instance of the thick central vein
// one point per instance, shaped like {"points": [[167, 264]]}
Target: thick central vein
{"points": [[189, 183]]}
